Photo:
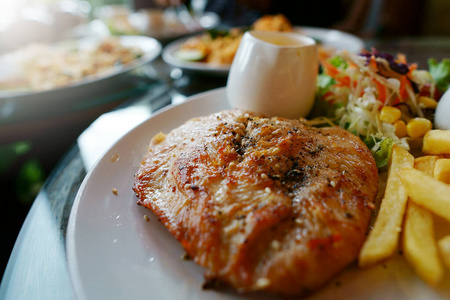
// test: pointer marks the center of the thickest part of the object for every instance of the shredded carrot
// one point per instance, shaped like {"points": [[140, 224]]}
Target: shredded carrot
{"points": [[343, 81], [373, 63], [382, 95], [396, 101], [401, 58], [352, 65], [412, 67], [402, 90], [330, 70]]}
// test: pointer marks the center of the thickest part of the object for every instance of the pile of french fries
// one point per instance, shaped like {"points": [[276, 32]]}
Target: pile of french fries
{"points": [[417, 194]]}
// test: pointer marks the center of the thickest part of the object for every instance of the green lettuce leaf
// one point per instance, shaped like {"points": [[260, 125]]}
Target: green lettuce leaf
{"points": [[216, 33], [337, 61], [383, 154], [324, 82], [440, 73], [322, 108]]}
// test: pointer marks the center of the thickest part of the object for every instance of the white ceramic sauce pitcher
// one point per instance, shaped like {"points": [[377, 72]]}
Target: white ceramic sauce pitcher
{"points": [[274, 73]]}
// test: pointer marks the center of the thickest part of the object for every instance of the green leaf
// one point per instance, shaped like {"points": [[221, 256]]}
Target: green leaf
{"points": [[324, 82], [440, 73], [370, 142], [338, 62], [383, 154], [215, 33]]}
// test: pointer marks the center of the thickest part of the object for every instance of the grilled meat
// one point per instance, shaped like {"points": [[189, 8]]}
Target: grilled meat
{"points": [[262, 204]]}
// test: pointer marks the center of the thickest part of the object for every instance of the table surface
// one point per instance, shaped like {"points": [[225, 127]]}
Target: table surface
{"points": [[37, 268]]}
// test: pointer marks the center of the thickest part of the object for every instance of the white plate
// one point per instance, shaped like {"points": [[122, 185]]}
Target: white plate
{"points": [[329, 38], [19, 105], [113, 253]]}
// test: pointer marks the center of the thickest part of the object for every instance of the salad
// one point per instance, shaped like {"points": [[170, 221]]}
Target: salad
{"points": [[381, 98]]}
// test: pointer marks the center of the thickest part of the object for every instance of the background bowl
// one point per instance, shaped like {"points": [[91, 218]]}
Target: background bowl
{"points": [[25, 105]]}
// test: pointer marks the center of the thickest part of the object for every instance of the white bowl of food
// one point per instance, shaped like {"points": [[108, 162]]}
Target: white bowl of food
{"points": [[46, 80]]}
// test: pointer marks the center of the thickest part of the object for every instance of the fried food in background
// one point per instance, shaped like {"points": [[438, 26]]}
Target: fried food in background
{"points": [[219, 47], [273, 23]]}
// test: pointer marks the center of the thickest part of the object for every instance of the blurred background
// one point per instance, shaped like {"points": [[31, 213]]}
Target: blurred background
{"points": [[34, 138]]}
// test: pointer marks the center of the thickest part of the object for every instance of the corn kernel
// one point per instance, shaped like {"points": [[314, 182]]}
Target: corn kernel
{"points": [[426, 102], [442, 170], [400, 128], [390, 114], [417, 127]]}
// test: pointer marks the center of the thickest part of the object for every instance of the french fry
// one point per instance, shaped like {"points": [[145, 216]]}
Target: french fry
{"points": [[442, 170], [427, 192], [436, 142], [383, 239], [419, 245], [426, 164], [444, 248]]}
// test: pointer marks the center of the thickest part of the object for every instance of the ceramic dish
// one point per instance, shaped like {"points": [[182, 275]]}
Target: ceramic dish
{"points": [[21, 105], [114, 253], [328, 38]]}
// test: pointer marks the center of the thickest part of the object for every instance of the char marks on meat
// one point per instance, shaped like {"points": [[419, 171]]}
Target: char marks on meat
{"points": [[260, 203]]}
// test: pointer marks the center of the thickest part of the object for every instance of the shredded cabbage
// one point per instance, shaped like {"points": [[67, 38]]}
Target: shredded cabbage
{"points": [[357, 87]]}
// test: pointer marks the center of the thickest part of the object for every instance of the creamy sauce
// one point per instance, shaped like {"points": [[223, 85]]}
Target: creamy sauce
{"points": [[281, 40]]}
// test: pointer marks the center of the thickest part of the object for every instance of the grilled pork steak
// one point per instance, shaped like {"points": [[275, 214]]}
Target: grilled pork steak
{"points": [[262, 204]]}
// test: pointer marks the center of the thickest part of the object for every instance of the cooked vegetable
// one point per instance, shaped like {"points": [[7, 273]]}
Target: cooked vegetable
{"points": [[419, 244], [436, 142], [424, 163], [383, 239], [400, 129], [390, 114], [444, 248], [427, 192], [418, 127], [219, 46], [427, 102], [442, 170]]}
